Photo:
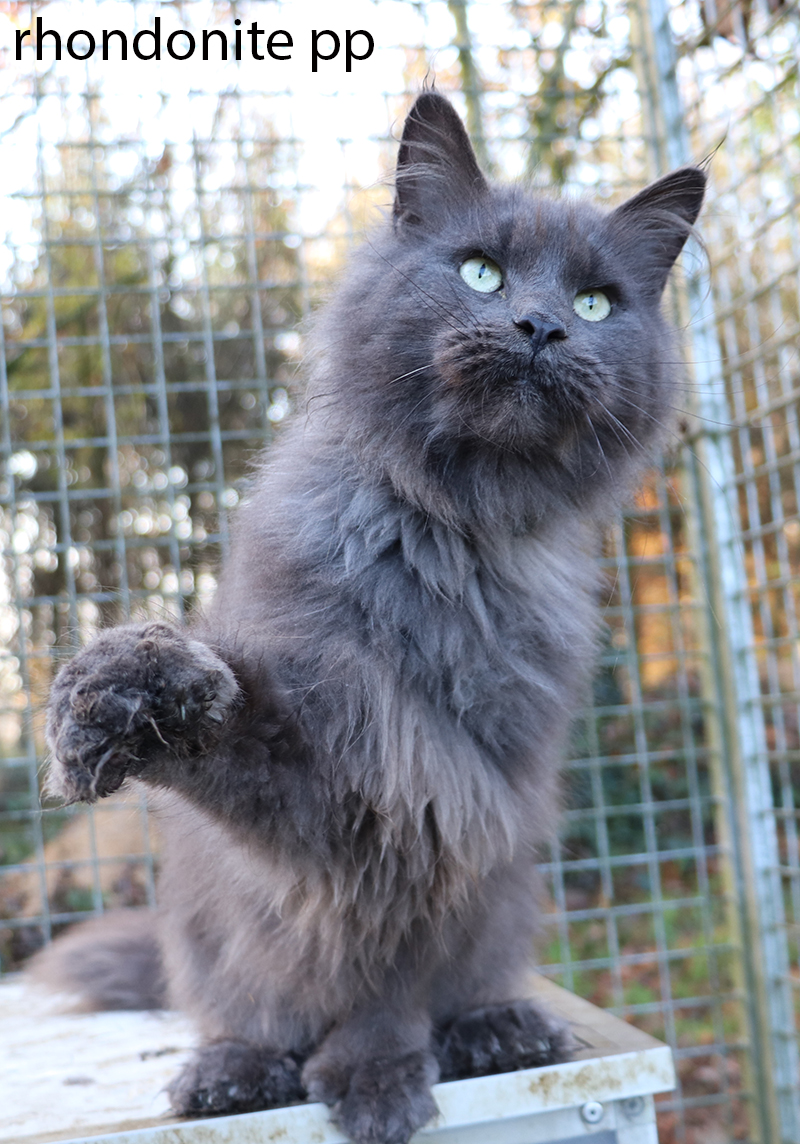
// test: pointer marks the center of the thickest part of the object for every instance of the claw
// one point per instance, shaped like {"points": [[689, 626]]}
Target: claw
{"points": [[134, 706], [155, 727]]}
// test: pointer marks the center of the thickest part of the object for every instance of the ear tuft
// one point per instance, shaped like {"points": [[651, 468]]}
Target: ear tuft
{"points": [[436, 166], [661, 218], [680, 192]]}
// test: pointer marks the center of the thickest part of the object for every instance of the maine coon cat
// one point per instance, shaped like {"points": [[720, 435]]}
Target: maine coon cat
{"points": [[356, 747]]}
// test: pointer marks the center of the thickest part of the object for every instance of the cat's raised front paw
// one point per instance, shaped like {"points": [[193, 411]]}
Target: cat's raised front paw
{"points": [[133, 693]]}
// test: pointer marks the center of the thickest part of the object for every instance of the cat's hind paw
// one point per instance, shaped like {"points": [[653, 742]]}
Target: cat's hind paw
{"points": [[501, 1038], [229, 1077]]}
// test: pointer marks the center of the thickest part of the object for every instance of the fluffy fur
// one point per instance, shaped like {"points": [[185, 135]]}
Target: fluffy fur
{"points": [[356, 749]]}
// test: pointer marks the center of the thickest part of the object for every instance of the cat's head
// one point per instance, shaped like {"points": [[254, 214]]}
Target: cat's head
{"points": [[493, 330]]}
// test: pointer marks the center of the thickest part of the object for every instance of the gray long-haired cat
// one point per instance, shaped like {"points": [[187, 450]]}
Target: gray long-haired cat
{"points": [[356, 748]]}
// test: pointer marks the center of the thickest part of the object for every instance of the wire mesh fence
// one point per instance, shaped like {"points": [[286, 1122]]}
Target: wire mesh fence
{"points": [[169, 227]]}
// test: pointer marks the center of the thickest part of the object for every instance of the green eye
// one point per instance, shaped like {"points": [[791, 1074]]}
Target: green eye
{"points": [[592, 305], [481, 274]]}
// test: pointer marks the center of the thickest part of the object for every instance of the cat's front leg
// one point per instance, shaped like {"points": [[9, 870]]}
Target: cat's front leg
{"points": [[375, 1071], [136, 694]]}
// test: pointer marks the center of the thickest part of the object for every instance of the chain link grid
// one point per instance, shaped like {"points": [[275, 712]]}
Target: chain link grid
{"points": [[738, 70]]}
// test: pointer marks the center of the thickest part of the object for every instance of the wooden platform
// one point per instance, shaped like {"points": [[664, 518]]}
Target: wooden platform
{"points": [[70, 1077]]}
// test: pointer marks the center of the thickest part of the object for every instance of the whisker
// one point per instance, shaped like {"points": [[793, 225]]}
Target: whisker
{"points": [[614, 420], [675, 409], [436, 305], [410, 413], [412, 372], [599, 444]]}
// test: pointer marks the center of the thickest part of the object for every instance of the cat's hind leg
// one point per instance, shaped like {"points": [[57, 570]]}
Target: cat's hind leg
{"points": [[483, 1021], [500, 1038], [228, 1077]]}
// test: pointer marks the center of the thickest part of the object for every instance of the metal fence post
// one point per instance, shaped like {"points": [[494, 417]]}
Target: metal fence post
{"points": [[734, 669]]}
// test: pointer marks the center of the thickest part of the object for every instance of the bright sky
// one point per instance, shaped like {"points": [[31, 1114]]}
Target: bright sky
{"points": [[166, 101], [169, 100]]}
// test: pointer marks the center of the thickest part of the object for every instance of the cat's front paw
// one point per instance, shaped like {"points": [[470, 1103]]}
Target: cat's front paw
{"points": [[379, 1101], [133, 693], [501, 1038]]}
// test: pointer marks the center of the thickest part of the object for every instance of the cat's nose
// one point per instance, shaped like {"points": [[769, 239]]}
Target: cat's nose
{"points": [[540, 330]]}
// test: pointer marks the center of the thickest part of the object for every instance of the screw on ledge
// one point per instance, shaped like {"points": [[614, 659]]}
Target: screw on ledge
{"points": [[633, 1107], [592, 1112]]}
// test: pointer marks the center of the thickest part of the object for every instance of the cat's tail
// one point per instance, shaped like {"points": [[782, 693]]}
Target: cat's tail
{"points": [[110, 962]]}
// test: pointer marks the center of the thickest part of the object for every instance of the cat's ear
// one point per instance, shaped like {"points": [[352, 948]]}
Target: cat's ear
{"points": [[655, 224], [436, 166]]}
